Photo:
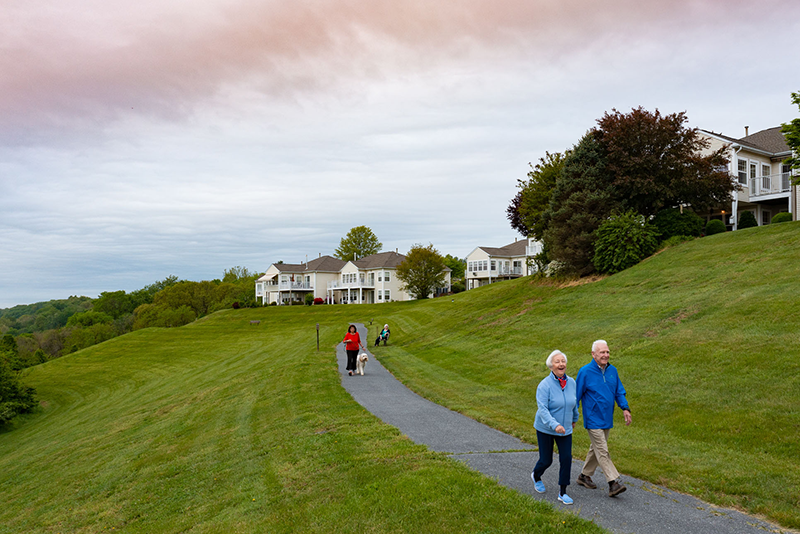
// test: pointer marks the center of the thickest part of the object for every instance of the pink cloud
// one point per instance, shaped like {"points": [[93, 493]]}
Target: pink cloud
{"points": [[73, 60]]}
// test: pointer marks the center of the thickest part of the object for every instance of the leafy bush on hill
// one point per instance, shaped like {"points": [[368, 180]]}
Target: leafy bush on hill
{"points": [[715, 226], [671, 222], [747, 220], [781, 217], [622, 241]]}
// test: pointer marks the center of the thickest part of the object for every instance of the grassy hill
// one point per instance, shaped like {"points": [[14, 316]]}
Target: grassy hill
{"points": [[705, 336], [224, 427], [221, 426]]}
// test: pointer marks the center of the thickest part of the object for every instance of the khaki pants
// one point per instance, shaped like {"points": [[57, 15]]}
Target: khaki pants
{"points": [[598, 455]]}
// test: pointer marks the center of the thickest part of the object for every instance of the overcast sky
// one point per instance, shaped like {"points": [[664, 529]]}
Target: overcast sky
{"points": [[145, 139]]}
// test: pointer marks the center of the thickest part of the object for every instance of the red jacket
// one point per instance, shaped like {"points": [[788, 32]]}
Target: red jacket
{"points": [[352, 341]]}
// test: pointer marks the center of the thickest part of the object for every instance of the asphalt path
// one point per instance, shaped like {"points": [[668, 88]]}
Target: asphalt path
{"points": [[644, 508]]}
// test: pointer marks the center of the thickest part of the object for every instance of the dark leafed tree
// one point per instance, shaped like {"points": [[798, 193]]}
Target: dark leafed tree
{"points": [[657, 162], [526, 211], [359, 242], [639, 160], [791, 130], [422, 271]]}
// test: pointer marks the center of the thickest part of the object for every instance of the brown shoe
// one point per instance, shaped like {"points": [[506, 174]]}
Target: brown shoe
{"points": [[586, 482], [615, 488]]}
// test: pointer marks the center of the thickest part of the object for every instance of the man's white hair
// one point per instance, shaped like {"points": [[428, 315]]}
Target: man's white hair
{"points": [[594, 345], [549, 362]]}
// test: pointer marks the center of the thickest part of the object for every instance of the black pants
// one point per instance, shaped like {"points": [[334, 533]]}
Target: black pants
{"points": [[351, 360], [564, 444]]}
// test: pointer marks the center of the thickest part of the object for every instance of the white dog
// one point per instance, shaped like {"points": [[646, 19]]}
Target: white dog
{"points": [[361, 363]]}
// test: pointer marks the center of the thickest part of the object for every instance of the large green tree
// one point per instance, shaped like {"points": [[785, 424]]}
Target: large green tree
{"points": [[791, 131], [457, 266], [639, 160], [359, 242], [422, 271], [527, 208]]}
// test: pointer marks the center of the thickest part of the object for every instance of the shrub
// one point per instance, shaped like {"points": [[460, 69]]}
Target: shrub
{"points": [[671, 222], [319, 300], [15, 398], [236, 305], [309, 300], [783, 216], [622, 241], [746, 220], [457, 287], [715, 226]]}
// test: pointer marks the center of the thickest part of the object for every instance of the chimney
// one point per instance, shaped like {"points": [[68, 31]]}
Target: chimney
{"points": [[746, 131]]}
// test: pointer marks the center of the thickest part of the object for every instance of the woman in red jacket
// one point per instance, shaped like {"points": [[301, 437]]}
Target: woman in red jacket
{"points": [[352, 341]]}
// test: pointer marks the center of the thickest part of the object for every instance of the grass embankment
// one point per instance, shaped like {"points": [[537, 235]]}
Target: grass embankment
{"points": [[224, 427], [705, 336]]}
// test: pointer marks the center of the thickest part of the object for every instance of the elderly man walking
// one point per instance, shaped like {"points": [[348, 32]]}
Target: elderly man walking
{"points": [[598, 388]]}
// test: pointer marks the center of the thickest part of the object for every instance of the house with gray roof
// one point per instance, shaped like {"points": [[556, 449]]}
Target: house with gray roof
{"points": [[756, 162], [486, 265], [371, 279], [284, 283]]}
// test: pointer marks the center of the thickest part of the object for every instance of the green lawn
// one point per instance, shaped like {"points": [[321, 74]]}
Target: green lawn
{"points": [[221, 426], [705, 336], [224, 427]]}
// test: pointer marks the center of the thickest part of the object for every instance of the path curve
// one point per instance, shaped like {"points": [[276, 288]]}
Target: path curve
{"points": [[644, 509]]}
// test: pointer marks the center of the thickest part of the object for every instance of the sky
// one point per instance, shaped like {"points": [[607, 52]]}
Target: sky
{"points": [[140, 140]]}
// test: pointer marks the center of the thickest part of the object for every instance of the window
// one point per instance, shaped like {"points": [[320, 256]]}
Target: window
{"points": [[380, 295], [742, 171], [753, 174], [494, 265], [387, 295], [386, 277], [765, 177], [766, 217]]}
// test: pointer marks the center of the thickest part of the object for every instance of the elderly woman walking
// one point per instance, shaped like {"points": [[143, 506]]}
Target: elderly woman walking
{"points": [[556, 416]]}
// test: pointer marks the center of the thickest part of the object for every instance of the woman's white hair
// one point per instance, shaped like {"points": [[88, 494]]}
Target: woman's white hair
{"points": [[549, 362], [594, 345]]}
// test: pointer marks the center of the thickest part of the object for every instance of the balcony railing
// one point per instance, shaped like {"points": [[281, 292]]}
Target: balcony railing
{"points": [[770, 185], [362, 284], [509, 271], [290, 286]]}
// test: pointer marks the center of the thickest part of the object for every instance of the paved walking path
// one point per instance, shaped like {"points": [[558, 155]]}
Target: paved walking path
{"points": [[643, 509]]}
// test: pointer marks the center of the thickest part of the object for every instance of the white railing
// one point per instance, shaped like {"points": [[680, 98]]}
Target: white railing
{"points": [[509, 271], [363, 284], [769, 185], [289, 286]]}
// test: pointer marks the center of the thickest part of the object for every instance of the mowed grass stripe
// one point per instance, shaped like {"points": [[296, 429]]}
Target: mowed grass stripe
{"points": [[225, 427], [705, 336]]}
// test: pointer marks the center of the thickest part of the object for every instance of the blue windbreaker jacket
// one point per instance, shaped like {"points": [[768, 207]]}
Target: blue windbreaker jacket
{"points": [[555, 406], [597, 390]]}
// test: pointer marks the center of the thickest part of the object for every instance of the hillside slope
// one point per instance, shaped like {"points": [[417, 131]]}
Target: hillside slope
{"points": [[705, 336], [223, 426]]}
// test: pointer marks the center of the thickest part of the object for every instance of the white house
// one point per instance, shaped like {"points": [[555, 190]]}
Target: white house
{"points": [[284, 283], [486, 265], [373, 279], [757, 162], [369, 280]]}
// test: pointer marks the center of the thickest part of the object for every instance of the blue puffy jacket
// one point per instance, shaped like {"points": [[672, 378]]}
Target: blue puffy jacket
{"points": [[597, 390], [555, 406]]}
